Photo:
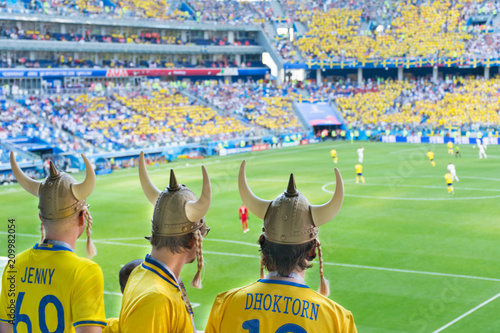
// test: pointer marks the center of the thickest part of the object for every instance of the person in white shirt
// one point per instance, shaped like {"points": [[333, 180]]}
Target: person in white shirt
{"points": [[453, 171], [482, 153], [360, 154]]}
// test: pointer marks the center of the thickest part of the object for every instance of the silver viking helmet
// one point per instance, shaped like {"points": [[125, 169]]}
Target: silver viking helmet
{"points": [[290, 218], [177, 210], [60, 196]]}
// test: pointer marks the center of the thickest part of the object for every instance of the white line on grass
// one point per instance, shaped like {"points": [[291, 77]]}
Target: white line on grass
{"points": [[409, 149], [467, 313], [205, 240], [112, 293], [326, 263]]}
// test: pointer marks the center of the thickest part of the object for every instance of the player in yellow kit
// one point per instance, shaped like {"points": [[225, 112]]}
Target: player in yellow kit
{"points": [[359, 173], [48, 288], [449, 181], [155, 298], [335, 158], [430, 155], [450, 147], [281, 302]]}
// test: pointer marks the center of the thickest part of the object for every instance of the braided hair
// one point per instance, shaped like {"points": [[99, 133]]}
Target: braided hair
{"points": [[90, 248], [324, 287], [199, 258]]}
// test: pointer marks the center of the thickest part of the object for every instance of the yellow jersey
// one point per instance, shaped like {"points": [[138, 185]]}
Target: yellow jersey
{"points": [[49, 288], [269, 306], [153, 301], [112, 326], [449, 178], [333, 152], [450, 145], [359, 168], [430, 155]]}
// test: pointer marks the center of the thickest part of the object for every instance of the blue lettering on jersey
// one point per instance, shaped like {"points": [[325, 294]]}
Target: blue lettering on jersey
{"points": [[305, 309], [276, 305], [247, 306], [287, 300], [293, 306], [38, 275], [258, 299], [270, 301]]}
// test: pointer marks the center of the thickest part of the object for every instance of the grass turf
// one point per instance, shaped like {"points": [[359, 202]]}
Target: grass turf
{"points": [[391, 234]]}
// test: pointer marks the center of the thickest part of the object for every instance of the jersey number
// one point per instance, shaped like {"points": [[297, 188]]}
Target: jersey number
{"points": [[46, 300], [253, 326]]}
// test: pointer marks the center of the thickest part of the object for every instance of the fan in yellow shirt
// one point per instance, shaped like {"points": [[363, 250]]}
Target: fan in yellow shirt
{"points": [[155, 299], [449, 181], [55, 290], [359, 173], [282, 302], [430, 155]]}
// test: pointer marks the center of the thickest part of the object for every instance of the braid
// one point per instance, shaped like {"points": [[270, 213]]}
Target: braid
{"points": [[324, 287], [91, 249], [42, 230], [199, 258]]}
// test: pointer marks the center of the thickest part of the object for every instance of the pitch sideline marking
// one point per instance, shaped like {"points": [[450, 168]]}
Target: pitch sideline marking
{"points": [[467, 313], [326, 263], [425, 186], [208, 239]]}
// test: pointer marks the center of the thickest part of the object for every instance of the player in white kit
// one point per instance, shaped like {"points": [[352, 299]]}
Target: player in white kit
{"points": [[360, 154], [453, 171], [482, 153]]}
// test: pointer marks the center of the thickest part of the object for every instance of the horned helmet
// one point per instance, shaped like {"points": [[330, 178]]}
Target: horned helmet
{"points": [[177, 210], [60, 196], [290, 219]]}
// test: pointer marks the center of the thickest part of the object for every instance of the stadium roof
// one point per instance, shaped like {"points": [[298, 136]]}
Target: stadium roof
{"points": [[129, 22], [32, 45]]}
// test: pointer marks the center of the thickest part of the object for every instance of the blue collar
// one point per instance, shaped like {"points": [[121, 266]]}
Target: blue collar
{"points": [[160, 269], [53, 245], [283, 282]]}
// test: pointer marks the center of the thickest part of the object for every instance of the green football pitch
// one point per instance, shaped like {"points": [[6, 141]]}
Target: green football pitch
{"points": [[403, 255]]}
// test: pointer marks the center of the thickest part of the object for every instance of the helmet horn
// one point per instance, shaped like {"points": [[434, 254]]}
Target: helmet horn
{"points": [[151, 191], [256, 205], [30, 185], [321, 214], [195, 210], [82, 190]]}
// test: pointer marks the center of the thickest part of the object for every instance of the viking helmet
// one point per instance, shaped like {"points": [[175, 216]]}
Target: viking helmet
{"points": [[177, 210], [60, 196], [290, 218]]}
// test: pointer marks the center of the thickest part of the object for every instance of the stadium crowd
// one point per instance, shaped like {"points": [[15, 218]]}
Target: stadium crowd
{"points": [[266, 105], [454, 101]]}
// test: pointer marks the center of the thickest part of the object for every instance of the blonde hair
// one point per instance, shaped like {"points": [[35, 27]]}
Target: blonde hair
{"points": [[324, 286], [199, 258], [90, 248]]}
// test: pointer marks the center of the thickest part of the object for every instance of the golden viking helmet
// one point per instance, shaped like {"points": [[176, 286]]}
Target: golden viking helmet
{"points": [[60, 196], [177, 210], [290, 218]]}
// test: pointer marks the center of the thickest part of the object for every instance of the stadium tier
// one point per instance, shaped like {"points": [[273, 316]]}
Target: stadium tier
{"points": [[399, 99]]}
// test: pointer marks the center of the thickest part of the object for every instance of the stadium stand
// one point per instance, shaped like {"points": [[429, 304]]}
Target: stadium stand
{"points": [[422, 103], [263, 104]]}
